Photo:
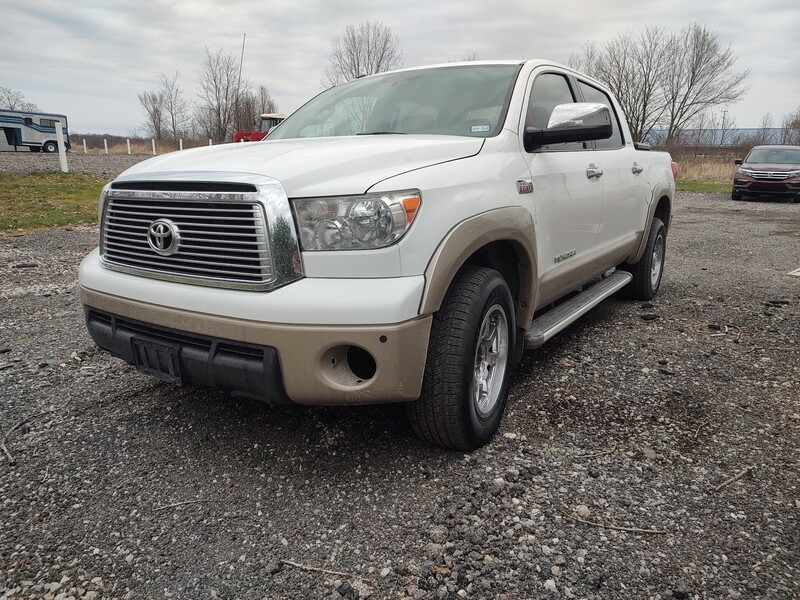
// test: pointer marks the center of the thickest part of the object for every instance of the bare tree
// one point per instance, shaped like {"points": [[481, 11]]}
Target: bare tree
{"points": [[220, 91], [265, 102], [665, 80], [699, 75], [252, 105], [364, 49], [175, 106], [632, 66], [790, 133], [14, 100], [153, 104]]}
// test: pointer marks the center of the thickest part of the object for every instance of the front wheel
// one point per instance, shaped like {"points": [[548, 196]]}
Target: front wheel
{"points": [[465, 385], [736, 195], [648, 271]]}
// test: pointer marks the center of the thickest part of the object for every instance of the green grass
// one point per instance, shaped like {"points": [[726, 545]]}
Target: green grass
{"points": [[41, 200], [697, 185]]}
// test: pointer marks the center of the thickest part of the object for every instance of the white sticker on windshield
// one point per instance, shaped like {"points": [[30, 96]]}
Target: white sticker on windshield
{"points": [[479, 128]]}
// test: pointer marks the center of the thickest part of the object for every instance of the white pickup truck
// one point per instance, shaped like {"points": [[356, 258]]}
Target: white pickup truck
{"points": [[402, 237]]}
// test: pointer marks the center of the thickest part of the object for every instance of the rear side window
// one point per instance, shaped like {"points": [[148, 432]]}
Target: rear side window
{"points": [[592, 94]]}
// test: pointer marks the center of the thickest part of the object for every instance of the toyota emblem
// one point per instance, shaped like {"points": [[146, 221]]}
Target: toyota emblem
{"points": [[163, 237]]}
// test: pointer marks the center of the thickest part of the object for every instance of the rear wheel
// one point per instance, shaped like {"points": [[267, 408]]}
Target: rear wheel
{"points": [[648, 271], [49, 147], [465, 385]]}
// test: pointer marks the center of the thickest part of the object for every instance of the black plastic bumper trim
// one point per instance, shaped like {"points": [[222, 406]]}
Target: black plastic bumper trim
{"points": [[247, 370]]}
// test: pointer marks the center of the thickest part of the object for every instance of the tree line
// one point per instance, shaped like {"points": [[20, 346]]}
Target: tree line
{"points": [[225, 103], [667, 81]]}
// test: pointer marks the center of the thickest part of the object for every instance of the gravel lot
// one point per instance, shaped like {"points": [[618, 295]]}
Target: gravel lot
{"points": [[651, 451]]}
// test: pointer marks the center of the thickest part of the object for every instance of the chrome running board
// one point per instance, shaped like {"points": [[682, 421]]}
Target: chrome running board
{"points": [[563, 315]]}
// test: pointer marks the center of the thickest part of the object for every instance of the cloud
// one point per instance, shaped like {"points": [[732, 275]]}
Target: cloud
{"points": [[91, 58]]}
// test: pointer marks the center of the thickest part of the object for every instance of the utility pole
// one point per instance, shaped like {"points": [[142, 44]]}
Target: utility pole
{"points": [[722, 133], [238, 86]]}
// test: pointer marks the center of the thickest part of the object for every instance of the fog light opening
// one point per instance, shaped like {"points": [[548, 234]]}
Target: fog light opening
{"points": [[361, 363]]}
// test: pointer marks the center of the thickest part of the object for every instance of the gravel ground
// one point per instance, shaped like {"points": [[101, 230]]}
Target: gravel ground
{"points": [[650, 451], [110, 166]]}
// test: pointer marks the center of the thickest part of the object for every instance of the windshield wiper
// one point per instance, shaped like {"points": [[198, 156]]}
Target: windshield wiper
{"points": [[382, 133]]}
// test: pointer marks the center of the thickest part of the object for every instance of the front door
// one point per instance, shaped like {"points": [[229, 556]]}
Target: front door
{"points": [[567, 194]]}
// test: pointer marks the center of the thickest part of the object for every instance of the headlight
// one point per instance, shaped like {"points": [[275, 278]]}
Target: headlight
{"points": [[748, 172], [355, 222], [793, 174]]}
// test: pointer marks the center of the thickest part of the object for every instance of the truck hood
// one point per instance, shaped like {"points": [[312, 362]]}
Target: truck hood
{"points": [[318, 166]]}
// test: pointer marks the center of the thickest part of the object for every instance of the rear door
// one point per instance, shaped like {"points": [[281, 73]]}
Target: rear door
{"points": [[623, 179]]}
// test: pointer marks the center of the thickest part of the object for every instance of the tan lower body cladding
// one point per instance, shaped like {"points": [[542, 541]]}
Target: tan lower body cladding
{"points": [[313, 358]]}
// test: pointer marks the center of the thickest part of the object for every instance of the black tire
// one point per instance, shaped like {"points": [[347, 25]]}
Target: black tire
{"points": [[736, 195], [648, 271], [49, 147], [477, 315]]}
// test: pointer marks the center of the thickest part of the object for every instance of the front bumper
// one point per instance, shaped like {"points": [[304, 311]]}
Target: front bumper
{"points": [[336, 341], [308, 364], [750, 186]]}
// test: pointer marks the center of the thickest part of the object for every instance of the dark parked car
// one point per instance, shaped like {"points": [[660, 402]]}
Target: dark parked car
{"points": [[768, 171]]}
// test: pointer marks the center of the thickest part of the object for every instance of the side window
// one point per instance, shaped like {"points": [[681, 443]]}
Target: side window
{"points": [[592, 94], [47, 122], [28, 121], [548, 91]]}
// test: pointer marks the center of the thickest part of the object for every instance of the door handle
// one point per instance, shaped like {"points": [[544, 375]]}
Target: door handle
{"points": [[636, 169], [594, 172]]}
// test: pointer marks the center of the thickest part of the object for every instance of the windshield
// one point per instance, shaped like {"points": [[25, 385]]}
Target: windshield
{"points": [[775, 156], [466, 100]]}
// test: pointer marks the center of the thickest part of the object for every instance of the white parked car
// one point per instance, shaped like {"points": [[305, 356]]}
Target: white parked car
{"points": [[402, 237]]}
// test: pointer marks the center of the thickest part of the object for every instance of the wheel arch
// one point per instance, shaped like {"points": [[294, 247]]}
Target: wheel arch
{"points": [[662, 208], [502, 239]]}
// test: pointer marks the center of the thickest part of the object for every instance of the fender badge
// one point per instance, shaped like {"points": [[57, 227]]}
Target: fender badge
{"points": [[524, 186], [565, 256]]}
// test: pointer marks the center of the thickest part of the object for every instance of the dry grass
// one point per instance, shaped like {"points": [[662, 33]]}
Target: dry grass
{"points": [[706, 169], [704, 174]]}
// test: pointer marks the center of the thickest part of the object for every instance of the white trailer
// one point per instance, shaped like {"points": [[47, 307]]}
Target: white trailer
{"points": [[33, 130]]}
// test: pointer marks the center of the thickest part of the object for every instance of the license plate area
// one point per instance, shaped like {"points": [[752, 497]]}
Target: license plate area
{"points": [[157, 360]]}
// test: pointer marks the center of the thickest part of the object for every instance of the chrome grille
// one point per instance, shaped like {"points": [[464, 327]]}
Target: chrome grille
{"points": [[771, 175], [224, 238]]}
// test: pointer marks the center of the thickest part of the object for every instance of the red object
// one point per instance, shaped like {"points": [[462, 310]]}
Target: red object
{"points": [[249, 136], [268, 121]]}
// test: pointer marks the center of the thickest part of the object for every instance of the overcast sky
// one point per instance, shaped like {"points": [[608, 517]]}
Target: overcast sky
{"points": [[90, 59]]}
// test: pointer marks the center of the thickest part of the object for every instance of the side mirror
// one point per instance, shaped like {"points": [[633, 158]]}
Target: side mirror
{"points": [[575, 122], [738, 161]]}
